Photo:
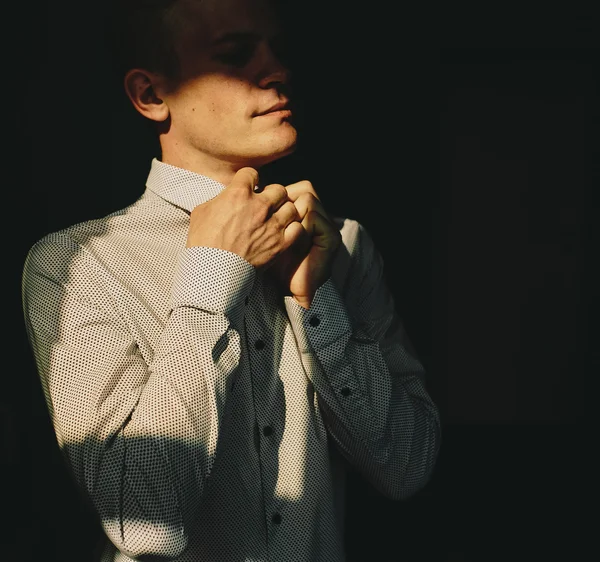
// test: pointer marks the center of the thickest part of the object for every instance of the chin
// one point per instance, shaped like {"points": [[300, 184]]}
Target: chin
{"points": [[278, 155], [277, 147]]}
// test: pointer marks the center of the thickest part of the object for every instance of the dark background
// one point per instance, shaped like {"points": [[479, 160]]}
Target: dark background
{"points": [[467, 143]]}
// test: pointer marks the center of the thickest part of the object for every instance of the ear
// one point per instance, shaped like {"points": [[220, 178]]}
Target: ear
{"points": [[140, 87]]}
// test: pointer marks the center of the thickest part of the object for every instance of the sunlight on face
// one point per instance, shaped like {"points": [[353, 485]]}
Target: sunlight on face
{"points": [[232, 104]]}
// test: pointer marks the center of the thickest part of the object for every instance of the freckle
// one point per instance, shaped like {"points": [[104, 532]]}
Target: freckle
{"points": [[193, 109]]}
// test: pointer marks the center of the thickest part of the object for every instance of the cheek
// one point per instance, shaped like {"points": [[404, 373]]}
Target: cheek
{"points": [[219, 97]]}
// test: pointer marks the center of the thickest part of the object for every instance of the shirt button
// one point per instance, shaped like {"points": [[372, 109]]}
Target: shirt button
{"points": [[267, 430], [276, 518], [314, 321], [259, 344], [346, 391]]}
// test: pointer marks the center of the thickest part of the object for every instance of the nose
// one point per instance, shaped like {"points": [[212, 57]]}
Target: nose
{"points": [[274, 71]]}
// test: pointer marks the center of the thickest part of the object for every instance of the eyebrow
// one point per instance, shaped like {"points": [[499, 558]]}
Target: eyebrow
{"points": [[237, 36]]}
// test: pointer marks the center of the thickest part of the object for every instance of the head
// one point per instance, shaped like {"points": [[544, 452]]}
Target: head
{"points": [[208, 74]]}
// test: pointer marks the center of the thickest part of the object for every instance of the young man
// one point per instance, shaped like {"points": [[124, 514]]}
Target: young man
{"points": [[215, 354]]}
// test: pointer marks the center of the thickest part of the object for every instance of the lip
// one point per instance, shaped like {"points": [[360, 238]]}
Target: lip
{"points": [[280, 109], [281, 113]]}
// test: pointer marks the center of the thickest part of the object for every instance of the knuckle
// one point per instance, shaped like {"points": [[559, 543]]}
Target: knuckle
{"points": [[309, 198], [308, 186], [264, 209], [281, 191], [298, 213], [277, 190]]}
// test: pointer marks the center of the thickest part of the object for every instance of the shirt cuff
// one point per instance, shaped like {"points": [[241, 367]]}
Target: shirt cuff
{"points": [[212, 279], [325, 322]]}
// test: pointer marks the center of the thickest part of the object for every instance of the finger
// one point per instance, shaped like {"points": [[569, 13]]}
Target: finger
{"points": [[295, 190], [292, 233], [308, 202], [244, 178], [286, 214], [275, 194], [322, 231], [303, 189]]}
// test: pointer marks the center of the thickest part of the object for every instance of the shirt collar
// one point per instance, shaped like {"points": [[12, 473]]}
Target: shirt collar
{"points": [[181, 187]]}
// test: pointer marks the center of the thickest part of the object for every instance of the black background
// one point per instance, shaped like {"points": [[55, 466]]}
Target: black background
{"points": [[467, 143]]}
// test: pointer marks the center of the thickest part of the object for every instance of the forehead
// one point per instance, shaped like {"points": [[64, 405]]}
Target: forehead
{"points": [[202, 22]]}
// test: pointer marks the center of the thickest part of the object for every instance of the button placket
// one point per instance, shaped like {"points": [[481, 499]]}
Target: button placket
{"points": [[260, 343]]}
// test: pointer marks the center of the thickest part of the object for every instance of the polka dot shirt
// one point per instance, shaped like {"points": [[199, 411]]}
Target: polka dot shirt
{"points": [[207, 417]]}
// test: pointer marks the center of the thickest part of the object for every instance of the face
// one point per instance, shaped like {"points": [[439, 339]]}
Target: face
{"points": [[231, 107]]}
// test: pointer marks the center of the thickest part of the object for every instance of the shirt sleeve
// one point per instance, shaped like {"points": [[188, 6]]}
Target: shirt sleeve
{"points": [[138, 433], [370, 384]]}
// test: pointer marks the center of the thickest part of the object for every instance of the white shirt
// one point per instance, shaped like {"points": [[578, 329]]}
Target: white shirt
{"points": [[207, 417]]}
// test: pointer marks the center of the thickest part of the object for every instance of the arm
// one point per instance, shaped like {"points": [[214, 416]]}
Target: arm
{"points": [[138, 432], [139, 424], [370, 384]]}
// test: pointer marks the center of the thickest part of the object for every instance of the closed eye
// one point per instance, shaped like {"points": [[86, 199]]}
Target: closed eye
{"points": [[237, 55], [235, 49]]}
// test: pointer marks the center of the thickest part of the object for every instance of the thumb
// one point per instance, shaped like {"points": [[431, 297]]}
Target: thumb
{"points": [[245, 178]]}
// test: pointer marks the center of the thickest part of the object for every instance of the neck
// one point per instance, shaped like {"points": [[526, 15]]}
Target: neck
{"points": [[218, 170]]}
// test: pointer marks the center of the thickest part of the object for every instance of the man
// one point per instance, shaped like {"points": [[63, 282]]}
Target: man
{"points": [[215, 354]]}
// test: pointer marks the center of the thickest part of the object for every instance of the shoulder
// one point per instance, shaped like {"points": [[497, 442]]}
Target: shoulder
{"points": [[57, 252], [56, 259], [358, 253], [356, 238], [96, 237]]}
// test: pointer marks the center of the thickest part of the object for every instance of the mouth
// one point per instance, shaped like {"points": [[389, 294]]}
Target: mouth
{"points": [[281, 109], [281, 114]]}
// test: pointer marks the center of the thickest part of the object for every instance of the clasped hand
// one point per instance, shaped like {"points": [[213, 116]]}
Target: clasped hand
{"points": [[283, 229]]}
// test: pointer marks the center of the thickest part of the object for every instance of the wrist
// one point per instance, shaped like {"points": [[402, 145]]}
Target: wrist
{"points": [[304, 302]]}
